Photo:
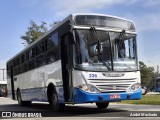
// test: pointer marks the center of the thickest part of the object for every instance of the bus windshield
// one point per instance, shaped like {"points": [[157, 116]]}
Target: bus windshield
{"points": [[105, 51]]}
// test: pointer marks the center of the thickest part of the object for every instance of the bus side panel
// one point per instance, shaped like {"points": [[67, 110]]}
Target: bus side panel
{"points": [[33, 84], [34, 94], [40, 94]]}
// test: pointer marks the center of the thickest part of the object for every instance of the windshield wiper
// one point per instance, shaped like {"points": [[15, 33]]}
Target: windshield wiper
{"points": [[122, 34], [120, 44], [98, 46]]}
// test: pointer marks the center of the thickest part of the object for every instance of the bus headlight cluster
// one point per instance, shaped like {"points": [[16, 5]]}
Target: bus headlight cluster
{"points": [[134, 87], [89, 88]]}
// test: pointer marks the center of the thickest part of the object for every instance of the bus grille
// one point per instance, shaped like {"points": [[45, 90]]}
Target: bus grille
{"points": [[112, 85]]}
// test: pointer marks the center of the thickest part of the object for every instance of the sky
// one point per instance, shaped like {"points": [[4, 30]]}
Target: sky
{"points": [[15, 17]]}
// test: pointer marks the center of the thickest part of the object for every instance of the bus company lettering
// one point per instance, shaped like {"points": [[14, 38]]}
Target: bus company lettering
{"points": [[113, 74]]}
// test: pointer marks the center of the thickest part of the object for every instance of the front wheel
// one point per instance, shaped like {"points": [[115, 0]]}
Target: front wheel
{"points": [[102, 105], [53, 100]]}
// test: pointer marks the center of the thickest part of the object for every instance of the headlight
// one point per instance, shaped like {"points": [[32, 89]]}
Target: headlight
{"points": [[134, 87], [88, 88]]}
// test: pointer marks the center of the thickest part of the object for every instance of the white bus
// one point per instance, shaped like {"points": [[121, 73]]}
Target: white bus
{"points": [[3, 83], [3, 88], [86, 58]]}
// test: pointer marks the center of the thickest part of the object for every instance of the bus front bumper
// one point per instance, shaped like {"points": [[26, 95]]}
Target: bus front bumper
{"points": [[84, 97]]}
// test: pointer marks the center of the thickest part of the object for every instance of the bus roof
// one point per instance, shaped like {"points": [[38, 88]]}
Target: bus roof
{"points": [[3, 82], [70, 17], [96, 14]]}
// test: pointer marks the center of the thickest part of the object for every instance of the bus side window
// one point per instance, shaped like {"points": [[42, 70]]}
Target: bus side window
{"points": [[48, 43], [31, 53], [40, 48], [52, 49], [55, 39]]}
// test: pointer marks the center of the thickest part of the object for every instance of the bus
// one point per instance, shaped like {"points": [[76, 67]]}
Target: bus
{"points": [[3, 88], [86, 58], [157, 86]]}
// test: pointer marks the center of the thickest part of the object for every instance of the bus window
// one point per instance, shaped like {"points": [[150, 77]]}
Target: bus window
{"points": [[23, 58], [31, 53], [55, 39], [40, 48], [49, 43], [52, 41]]}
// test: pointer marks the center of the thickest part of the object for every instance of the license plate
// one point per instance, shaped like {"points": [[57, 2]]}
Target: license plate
{"points": [[117, 96]]}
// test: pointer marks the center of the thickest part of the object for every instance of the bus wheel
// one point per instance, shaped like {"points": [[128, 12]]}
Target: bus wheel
{"points": [[56, 106], [102, 105], [19, 98], [20, 102]]}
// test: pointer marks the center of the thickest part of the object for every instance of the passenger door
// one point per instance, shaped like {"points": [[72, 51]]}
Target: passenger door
{"points": [[66, 59], [12, 83]]}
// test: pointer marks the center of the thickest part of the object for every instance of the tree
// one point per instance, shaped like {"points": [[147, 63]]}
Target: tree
{"points": [[147, 75], [34, 32]]}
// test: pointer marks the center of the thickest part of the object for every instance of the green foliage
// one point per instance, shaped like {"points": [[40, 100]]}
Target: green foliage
{"points": [[147, 75], [146, 99], [34, 32]]}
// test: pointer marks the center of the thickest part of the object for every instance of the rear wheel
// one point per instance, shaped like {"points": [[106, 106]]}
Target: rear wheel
{"points": [[20, 101], [102, 105]]}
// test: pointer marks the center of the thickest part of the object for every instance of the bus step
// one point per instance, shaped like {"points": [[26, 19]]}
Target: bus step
{"points": [[69, 103]]}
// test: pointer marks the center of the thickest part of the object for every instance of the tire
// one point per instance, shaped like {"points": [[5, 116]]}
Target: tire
{"points": [[102, 105], [53, 101], [20, 102]]}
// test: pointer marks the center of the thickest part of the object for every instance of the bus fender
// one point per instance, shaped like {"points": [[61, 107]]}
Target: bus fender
{"points": [[55, 82]]}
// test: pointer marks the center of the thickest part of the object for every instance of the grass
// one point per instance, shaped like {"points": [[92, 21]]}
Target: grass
{"points": [[146, 99]]}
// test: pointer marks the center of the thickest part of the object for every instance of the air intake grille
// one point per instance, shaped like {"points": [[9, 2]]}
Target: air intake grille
{"points": [[112, 85]]}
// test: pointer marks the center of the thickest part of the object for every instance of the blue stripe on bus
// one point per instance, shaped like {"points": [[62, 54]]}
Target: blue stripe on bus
{"points": [[39, 94], [84, 97]]}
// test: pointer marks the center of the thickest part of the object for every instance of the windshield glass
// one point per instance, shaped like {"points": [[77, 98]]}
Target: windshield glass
{"points": [[123, 51], [92, 51]]}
